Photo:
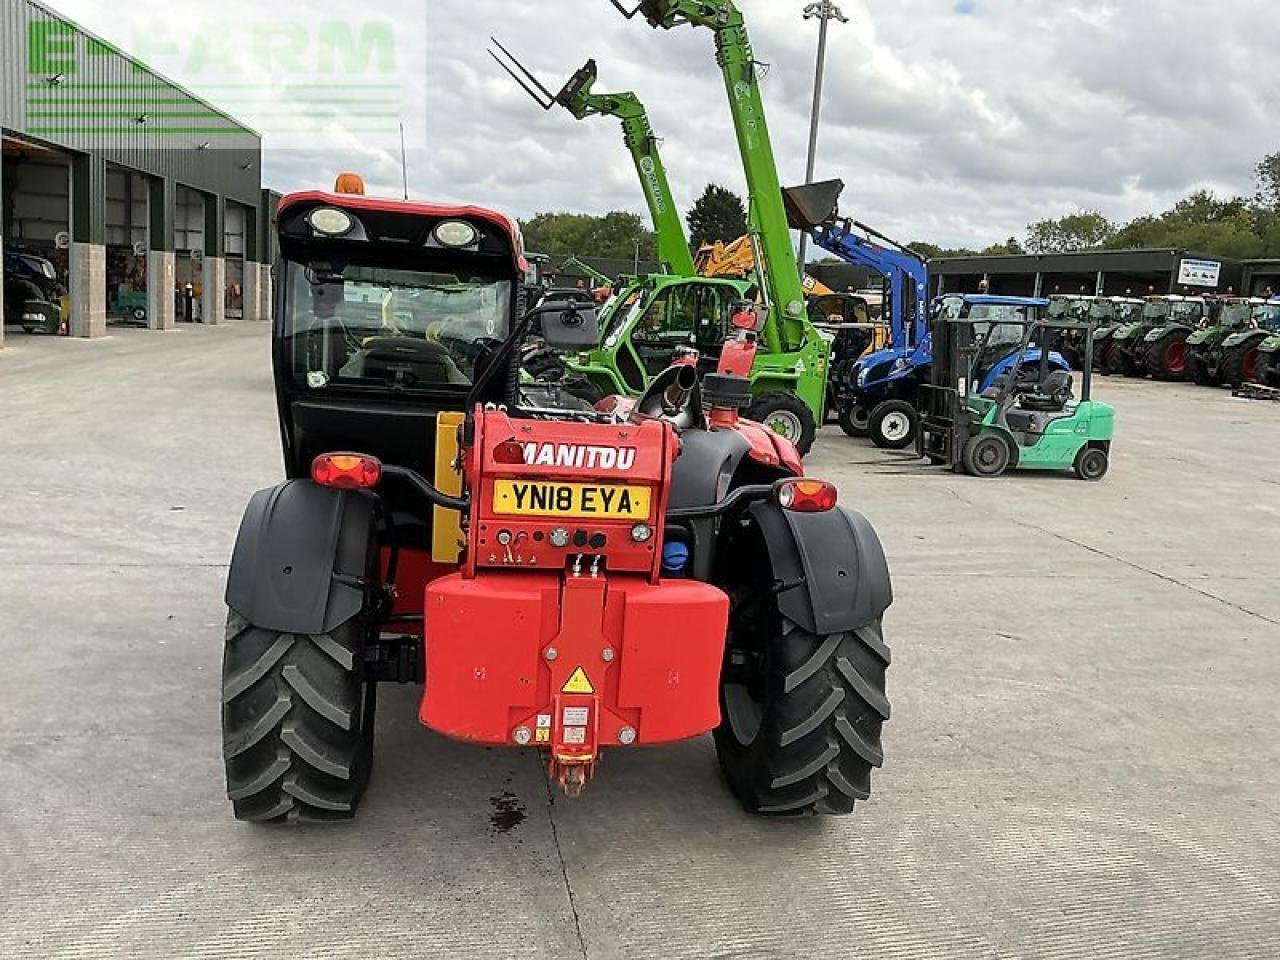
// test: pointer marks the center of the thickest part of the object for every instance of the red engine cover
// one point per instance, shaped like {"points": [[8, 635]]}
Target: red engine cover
{"points": [[547, 652], [592, 466]]}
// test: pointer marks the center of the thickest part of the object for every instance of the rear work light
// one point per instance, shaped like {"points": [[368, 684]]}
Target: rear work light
{"points": [[346, 471], [806, 496]]}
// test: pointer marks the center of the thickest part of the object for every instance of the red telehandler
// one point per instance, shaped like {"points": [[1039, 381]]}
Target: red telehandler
{"points": [[556, 576]]}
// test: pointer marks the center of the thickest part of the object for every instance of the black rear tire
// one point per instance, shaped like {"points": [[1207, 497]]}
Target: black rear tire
{"points": [[807, 740], [787, 415], [1092, 464], [297, 722], [1269, 369], [854, 421], [894, 425], [1233, 364], [986, 455], [1157, 357], [1119, 362], [1198, 370]]}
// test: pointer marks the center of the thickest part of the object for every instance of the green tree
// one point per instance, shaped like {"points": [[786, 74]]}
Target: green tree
{"points": [[1010, 248], [1202, 222], [1268, 171], [931, 251], [613, 235], [719, 214], [1076, 231]]}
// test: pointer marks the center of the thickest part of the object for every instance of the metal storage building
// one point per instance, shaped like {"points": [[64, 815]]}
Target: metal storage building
{"points": [[132, 186], [1101, 272]]}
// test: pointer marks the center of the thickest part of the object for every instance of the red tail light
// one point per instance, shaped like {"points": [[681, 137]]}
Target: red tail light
{"points": [[509, 452], [806, 496], [346, 471]]}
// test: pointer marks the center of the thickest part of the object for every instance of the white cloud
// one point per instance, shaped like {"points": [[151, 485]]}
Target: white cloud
{"points": [[953, 122]]}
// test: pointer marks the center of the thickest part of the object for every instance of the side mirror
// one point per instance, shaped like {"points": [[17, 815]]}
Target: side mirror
{"points": [[569, 326]]}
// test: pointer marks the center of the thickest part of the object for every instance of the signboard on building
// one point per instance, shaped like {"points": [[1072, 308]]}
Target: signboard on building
{"points": [[1199, 273]]}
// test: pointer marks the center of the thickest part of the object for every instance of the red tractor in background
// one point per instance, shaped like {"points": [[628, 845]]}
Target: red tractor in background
{"points": [[556, 576]]}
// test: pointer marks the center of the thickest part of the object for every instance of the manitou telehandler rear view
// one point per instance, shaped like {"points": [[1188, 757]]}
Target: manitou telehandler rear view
{"points": [[556, 576]]}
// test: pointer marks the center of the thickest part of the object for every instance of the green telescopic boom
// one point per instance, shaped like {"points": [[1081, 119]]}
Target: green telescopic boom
{"points": [[580, 99], [770, 231]]}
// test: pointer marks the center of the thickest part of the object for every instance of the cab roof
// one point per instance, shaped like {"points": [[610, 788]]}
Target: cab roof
{"points": [[988, 300], [356, 201]]}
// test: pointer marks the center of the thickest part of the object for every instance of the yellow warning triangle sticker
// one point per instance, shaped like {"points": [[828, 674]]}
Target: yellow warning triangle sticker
{"points": [[578, 683]]}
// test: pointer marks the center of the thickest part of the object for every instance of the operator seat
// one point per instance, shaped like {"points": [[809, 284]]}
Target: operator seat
{"points": [[1050, 395]]}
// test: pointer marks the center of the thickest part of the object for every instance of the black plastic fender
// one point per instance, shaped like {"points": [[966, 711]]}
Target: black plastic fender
{"points": [[708, 460], [831, 567], [301, 558]]}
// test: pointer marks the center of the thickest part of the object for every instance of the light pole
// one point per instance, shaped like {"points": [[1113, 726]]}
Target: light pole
{"points": [[824, 11]]}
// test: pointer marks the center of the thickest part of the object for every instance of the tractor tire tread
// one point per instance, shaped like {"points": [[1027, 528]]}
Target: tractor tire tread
{"points": [[820, 737], [297, 731]]}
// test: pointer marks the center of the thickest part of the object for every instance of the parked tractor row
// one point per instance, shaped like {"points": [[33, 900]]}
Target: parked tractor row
{"points": [[1207, 340]]}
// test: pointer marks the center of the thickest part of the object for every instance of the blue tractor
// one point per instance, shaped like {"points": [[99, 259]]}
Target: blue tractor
{"points": [[879, 395]]}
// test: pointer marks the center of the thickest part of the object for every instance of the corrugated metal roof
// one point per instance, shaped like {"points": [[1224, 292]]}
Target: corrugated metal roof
{"points": [[89, 96]]}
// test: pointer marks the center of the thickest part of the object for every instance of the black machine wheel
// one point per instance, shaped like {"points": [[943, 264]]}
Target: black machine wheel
{"points": [[139, 315], [544, 363], [1119, 361], [1241, 363], [1198, 369], [894, 425], [297, 722], [547, 366], [1167, 357], [1092, 464], [786, 415], [986, 455], [1268, 369], [803, 735], [855, 420]]}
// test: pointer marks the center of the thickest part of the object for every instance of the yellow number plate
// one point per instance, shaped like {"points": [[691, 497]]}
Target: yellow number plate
{"points": [[523, 498]]}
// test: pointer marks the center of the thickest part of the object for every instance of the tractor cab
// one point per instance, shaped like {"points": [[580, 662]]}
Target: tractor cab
{"points": [[1109, 314], [1077, 308], [1266, 363], [1231, 351], [998, 401], [1162, 350]]}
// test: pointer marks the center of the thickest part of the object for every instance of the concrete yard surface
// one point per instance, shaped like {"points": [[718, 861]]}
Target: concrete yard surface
{"points": [[1083, 761]]}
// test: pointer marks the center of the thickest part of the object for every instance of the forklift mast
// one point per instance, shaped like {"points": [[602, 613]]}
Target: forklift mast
{"points": [[581, 100], [780, 276]]}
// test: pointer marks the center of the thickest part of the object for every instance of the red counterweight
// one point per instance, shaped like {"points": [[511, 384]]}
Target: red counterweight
{"points": [[558, 632]]}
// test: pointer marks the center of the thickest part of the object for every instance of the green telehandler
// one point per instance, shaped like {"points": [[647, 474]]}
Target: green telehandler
{"points": [[653, 318], [795, 358]]}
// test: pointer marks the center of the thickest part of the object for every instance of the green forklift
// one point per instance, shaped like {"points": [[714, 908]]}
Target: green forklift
{"points": [[655, 318], [1029, 416]]}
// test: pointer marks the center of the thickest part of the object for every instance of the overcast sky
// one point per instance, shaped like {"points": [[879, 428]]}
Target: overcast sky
{"points": [[954, 122]]}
